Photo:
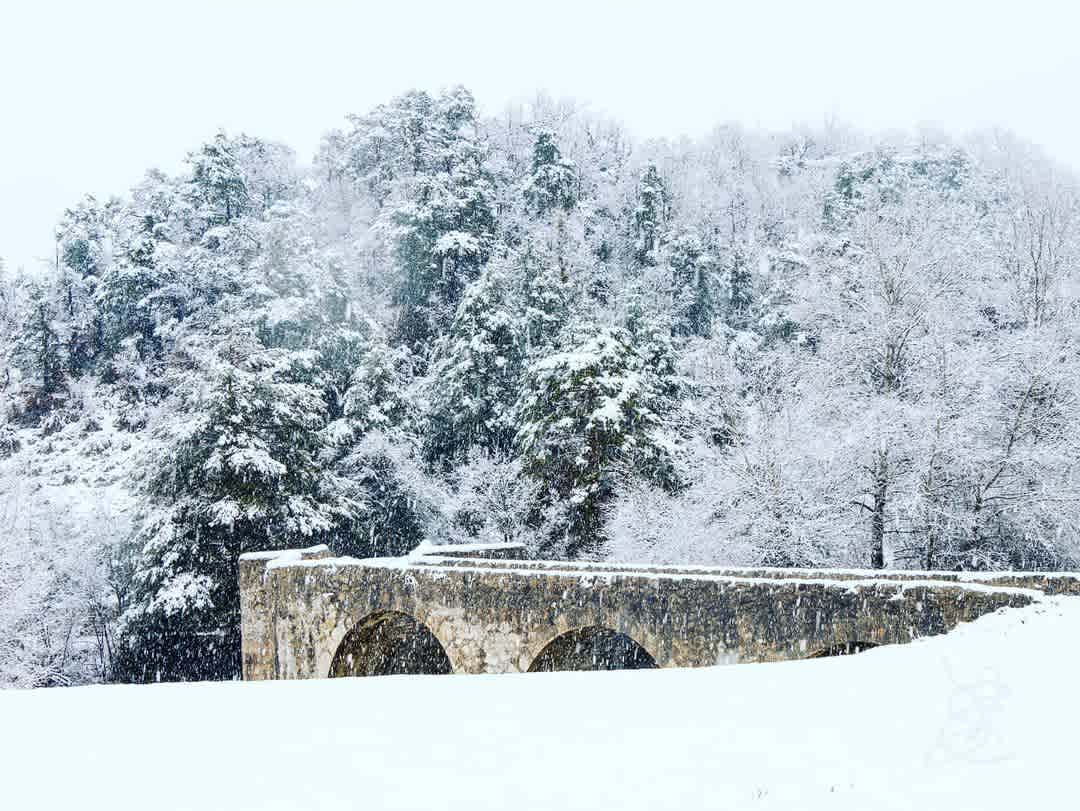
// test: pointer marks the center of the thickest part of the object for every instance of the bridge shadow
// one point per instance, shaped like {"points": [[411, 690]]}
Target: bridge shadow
{"points": [[592, 648], [390, 643]]}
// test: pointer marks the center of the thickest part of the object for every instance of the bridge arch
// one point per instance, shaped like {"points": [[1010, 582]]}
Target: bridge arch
{"points": [[386, 643], [842, 649], [593, 647]]}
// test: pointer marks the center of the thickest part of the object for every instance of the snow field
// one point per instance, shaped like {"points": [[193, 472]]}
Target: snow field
{"points": [[978, 719]]}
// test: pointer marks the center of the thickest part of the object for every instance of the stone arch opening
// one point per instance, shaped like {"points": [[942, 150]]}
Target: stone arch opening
{"points": [[390, 643], [843, 649], [592, 648]]}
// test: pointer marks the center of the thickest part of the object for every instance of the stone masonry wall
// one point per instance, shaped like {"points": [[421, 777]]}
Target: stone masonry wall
{"points": [[497, 616]]}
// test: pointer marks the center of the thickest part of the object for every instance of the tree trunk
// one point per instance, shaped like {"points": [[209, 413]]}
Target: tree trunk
{"points": [[877, 517]]}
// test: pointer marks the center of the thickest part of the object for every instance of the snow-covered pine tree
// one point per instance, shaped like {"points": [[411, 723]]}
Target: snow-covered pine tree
{"points": [[440, 220], [38, 351], [590, 415], [693, 286], [650, 216], [373, 453], [552, 182], [476, 375], [240, 472]]}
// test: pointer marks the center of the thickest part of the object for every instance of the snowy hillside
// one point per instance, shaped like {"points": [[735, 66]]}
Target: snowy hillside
{"points": [[811, 347], [973, 720]]}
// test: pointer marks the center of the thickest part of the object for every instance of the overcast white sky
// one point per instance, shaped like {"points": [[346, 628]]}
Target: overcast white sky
{"points": [[94, 93]]}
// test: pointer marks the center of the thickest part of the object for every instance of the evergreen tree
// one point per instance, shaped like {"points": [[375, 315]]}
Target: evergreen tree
{"points": [[373, 396], [217, 189], [589, 415], [370, 454], [241, 474], [475, 378], [552, 182], [38, 350], [547, 293], [650, 216], [693, 301], [442, 229], [83, 242], [141, 292]]}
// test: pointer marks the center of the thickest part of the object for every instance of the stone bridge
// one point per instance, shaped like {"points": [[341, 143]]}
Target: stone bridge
{"points": [[483, 609]]}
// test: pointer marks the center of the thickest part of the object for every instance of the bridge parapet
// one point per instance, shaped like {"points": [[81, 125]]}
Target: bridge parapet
{"points": [[1048, 583], [307, 614]]}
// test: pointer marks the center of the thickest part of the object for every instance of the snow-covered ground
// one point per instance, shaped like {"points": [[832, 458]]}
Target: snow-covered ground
{"points": [[983, 718]]}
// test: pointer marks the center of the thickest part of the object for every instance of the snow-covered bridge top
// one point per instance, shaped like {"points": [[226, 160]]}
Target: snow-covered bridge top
{"points": [[484, 608]]}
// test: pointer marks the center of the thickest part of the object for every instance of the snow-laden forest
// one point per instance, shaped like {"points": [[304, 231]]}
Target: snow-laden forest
{"points": [[806, 348]]}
